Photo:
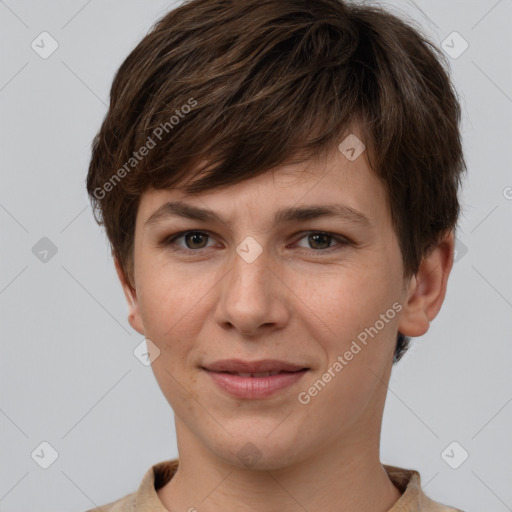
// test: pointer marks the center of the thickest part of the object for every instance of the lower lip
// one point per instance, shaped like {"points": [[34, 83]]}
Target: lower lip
{"points": [[255, 387]]}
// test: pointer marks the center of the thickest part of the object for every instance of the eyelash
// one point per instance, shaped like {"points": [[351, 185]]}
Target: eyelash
{"points": [[170, 242]]}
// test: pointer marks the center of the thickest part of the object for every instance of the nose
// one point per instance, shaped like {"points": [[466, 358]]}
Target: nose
{"points": [[252, 298]]}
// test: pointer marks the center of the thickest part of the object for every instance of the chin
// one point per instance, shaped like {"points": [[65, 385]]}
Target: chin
{"points": [[261, 452]]}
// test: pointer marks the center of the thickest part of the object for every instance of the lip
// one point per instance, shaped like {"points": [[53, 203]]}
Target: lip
{"points": [[263, 365], [246, 387]]}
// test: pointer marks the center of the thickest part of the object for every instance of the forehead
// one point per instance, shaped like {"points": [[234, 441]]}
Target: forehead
{"points": [[332, 179]]}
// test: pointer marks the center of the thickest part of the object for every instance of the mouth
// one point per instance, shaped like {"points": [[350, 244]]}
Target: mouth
{"points": [[257, 374], [254, 379], [259, 368]]}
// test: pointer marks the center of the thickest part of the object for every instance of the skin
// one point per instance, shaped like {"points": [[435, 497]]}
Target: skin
{"points": [[296, 302]]}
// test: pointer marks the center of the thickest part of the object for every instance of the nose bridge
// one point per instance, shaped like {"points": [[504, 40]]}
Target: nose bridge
{"points": [[249, 270], [247, 298]]}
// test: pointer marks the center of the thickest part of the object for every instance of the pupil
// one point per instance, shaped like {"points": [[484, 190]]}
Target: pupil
{"points": [[315, 238], [194, 236]]}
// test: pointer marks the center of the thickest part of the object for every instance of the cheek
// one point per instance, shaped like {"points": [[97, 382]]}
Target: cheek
{"points": [[167, 309], [341, 393], [351, 301], [170, 308], [169, 299], [362, 314]]}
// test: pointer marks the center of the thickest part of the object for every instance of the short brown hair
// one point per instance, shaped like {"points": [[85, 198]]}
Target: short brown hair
{"points": [[242, 86]]}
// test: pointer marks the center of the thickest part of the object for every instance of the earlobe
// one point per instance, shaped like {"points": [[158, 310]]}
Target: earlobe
{"points": [[427, 288], [130, 293]]}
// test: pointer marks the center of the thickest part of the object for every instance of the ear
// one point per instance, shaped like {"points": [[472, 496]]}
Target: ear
{"points": [[427, 288], [130, 293]]}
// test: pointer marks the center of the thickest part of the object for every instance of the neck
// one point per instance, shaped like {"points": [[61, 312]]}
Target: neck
{"points": [[342, 477]]}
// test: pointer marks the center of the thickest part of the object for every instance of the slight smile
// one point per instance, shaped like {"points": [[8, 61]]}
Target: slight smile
{"points": [[254, 379]]}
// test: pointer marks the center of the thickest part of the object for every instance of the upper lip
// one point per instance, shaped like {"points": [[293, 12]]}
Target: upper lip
{"points": [[263, 365]]}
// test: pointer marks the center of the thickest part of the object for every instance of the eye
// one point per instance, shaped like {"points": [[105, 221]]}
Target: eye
{"points": [[319, 241], [194, 241]]}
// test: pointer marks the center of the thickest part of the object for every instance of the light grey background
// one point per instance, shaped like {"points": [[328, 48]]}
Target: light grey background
{"points": [[68, 373]]}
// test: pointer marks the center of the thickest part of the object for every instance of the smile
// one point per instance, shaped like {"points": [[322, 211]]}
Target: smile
{"points": [[254, 380]]}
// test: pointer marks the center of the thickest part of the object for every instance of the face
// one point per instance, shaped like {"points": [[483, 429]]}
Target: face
{"points": [[314, 298]]}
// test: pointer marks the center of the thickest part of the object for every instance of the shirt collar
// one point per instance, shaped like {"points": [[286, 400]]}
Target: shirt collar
{"points": [[407, 481]]}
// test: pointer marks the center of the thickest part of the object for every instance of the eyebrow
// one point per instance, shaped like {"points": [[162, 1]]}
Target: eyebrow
{"points": [[295, 213]]}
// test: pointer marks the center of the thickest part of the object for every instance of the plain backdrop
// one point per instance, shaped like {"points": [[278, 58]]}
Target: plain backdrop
{"points": [[68, 374]]}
